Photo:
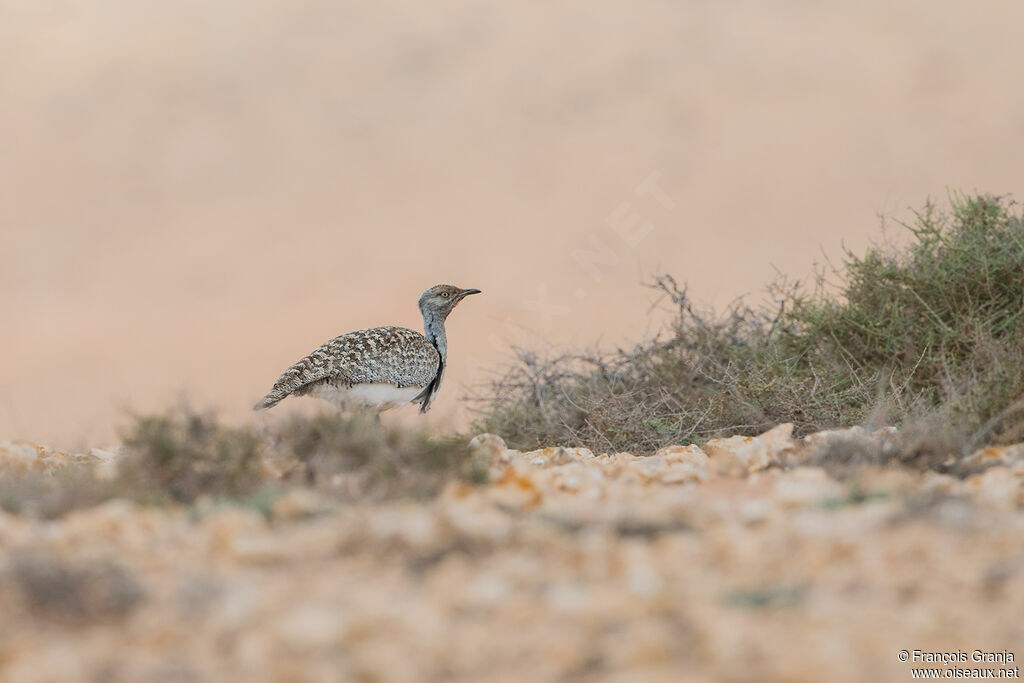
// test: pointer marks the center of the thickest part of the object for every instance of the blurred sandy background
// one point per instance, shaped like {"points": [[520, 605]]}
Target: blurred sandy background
{"points": [[194, 194]]}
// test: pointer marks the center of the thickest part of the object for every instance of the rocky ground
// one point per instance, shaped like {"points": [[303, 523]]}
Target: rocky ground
{"points": [[734, 562]]}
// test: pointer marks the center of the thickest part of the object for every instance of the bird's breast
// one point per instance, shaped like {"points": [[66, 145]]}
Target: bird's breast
{"points": [[378, 396]]}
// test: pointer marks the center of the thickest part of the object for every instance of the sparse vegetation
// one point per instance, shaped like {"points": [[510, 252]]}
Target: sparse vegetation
{"points": [[372, 461], [185, 457], [930, 334], [929, 337]]}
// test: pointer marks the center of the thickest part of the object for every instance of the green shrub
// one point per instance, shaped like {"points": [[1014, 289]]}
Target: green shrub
{"points": [[933, 331]]}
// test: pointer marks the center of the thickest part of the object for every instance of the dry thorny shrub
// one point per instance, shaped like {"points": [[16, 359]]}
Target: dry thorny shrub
{"points": [[929, 337], [932, 333]]}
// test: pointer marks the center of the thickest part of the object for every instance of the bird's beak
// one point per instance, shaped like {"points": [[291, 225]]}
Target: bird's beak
{"points": [[467, 292]]}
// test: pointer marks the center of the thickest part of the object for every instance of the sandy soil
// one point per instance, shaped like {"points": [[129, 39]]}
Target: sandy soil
{"points": [[745, 565], [194, 194]]}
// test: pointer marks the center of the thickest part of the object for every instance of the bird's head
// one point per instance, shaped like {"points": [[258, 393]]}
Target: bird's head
{"points": [[441, 299]]}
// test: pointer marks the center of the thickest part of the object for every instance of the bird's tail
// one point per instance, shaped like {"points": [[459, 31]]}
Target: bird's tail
{"points": [[267, 402]]}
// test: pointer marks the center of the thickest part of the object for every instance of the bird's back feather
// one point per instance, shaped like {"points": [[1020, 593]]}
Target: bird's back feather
{"points": [[379, 355]]}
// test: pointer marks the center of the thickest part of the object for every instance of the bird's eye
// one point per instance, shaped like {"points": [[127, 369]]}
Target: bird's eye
{"points": [[444, 294]]}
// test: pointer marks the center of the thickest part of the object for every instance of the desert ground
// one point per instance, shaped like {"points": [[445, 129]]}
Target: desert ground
{"points": [[193, 195], [743, 560]]}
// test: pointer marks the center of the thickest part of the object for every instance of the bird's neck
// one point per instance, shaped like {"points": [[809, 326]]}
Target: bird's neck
{"points": [[433, 327]]}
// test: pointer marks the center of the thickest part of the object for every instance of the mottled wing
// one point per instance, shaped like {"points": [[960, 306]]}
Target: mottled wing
{"points": [[390, 355]]}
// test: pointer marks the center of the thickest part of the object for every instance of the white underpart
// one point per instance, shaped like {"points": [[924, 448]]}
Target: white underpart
{"points": [[376, 396]]}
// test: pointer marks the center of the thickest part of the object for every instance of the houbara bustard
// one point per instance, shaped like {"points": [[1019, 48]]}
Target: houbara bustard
{"points": [[379, 368]]}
